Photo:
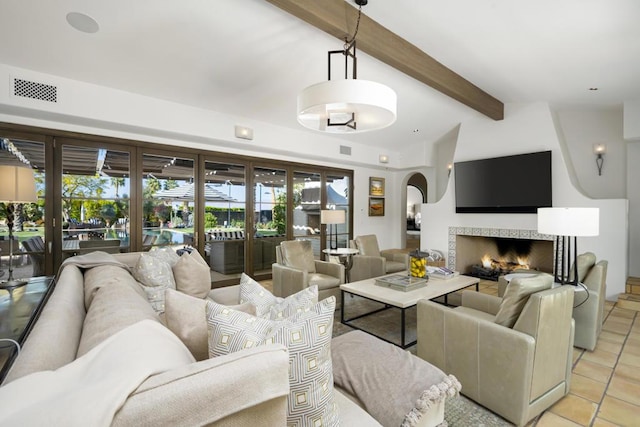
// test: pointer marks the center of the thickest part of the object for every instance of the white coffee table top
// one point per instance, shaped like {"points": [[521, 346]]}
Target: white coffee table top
{"points": [[435, 288]]}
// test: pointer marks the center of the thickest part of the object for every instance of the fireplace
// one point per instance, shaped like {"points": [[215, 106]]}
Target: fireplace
{"points": [[488, 253]]}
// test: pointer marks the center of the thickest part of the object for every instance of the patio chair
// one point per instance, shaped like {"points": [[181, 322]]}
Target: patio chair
{"points": [[34, 246]]}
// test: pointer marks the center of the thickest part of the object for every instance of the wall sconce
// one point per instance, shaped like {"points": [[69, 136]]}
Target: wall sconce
{"points": [[449, 167], [383, 158], [599, 150], [244, 132]]}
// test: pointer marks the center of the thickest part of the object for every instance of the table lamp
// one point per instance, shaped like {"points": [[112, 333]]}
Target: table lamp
{"points": [[18, 186], [332, 218], [567, 223]]}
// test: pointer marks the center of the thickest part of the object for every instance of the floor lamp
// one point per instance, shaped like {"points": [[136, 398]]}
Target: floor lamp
{"points": [[18, 186], [567, 224], [332, 218]]}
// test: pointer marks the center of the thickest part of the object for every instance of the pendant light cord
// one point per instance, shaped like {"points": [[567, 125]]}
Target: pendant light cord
{"points": [[348, 43]]}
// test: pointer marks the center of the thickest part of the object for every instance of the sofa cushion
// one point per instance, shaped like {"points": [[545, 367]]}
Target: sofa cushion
{"points": [[105, 275], [307, 336], [272, 307], [298, 254], [186, 316], [516, 296], [191, 276], [114, 307]]}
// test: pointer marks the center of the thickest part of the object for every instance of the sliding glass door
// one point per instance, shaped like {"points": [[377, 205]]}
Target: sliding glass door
{"points": [[24, 252], [224, 220]]}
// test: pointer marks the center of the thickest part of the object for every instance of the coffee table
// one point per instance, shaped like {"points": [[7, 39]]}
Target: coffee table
{"points": [[399, 299]]}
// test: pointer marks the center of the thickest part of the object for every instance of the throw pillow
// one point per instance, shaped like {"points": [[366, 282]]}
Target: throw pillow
{"points": [[196, 255], [154, 272], [186, 316], [155, 275], [191, 276], [306, 335], [272, 307], [516, 296], [361, 366], [165, 253]]}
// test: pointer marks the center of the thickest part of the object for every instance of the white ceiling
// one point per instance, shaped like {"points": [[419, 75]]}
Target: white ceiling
{"points": [[249, 58]]}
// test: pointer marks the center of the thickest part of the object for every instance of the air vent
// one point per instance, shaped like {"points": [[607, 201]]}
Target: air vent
{"points": [[35, 90], [345, 150]]}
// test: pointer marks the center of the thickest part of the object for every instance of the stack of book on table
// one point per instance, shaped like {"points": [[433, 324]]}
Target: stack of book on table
{"points": [[402, 282], [441, 272]]}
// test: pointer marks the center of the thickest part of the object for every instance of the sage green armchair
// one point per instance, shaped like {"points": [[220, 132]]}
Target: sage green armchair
{"points": [[373, 262], [517, 372], [295, 269], [589, 306], [589, 299]]}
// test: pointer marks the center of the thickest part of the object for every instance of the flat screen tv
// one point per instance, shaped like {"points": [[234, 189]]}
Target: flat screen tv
{"points": [[511, 184]]}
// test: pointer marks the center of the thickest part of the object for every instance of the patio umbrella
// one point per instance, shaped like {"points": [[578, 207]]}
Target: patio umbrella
{"points": [[185, 193]]}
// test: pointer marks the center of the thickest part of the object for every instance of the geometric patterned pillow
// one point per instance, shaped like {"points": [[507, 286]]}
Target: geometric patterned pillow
{"points": [[271, 307], [307, 336], [251, 291]]}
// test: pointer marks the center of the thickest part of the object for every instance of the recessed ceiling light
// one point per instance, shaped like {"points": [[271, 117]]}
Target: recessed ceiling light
{"points": [[82, 22]]}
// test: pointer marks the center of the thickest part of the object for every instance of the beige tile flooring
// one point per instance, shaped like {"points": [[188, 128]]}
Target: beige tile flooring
{"points": [[605, 386]]}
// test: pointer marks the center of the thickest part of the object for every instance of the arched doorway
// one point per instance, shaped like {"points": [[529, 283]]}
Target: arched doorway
{"points": [[415, 196]]}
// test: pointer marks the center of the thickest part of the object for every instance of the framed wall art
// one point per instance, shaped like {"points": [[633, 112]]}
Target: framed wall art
{"points": [[376, 206], [376, 187]]}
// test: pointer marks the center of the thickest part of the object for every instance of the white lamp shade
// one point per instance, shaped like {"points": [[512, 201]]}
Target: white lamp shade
{"points": [[332, 217], [373, 104], [569, 221], [17, 185]]}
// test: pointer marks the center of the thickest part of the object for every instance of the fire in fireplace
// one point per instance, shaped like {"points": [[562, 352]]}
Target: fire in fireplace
{"points": [[492, 269]]}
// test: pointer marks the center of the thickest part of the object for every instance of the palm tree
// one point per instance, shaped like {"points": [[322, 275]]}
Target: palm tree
{"points": [[117, 183]]}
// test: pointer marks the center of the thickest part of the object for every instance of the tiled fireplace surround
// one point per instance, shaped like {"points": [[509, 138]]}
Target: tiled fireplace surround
{"points": [[467, 245]]}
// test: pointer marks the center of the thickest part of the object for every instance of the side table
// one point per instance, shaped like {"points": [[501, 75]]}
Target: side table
{"points": [[345, 255], [19, 310]]}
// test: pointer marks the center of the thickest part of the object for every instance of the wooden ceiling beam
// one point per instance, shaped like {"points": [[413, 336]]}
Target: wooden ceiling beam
{"points": [[338, 18]]}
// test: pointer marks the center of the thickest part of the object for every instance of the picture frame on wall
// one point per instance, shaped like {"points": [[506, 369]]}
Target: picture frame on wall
{"points": [[376, 187], [376, 206]]}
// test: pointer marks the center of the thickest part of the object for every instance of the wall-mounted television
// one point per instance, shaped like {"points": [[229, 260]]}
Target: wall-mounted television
{"points": [[510, 184]]}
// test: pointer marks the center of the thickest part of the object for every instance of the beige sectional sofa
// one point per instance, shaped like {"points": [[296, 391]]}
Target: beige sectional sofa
{"points": [[248, 387]]}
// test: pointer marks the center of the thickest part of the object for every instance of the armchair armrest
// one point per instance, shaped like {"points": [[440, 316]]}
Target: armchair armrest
{"points": [[365, 267], [330, 269], [394, 255], [481, 302], [240, 384], [287, 281]]}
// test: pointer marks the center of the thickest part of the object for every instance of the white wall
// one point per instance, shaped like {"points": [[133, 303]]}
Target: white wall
{"points": [[632, 120], [581, 129], [529, 128], [633, 194]]}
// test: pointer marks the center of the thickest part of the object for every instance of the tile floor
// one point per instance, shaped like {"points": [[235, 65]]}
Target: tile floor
{"points": [[605, 387]]}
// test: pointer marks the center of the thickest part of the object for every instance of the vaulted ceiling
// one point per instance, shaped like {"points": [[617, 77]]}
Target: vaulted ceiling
{"points": [[250, 58]]}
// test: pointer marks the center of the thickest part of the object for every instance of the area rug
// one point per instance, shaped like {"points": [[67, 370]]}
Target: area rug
{"points": [[459, 411], [462, 412]]}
